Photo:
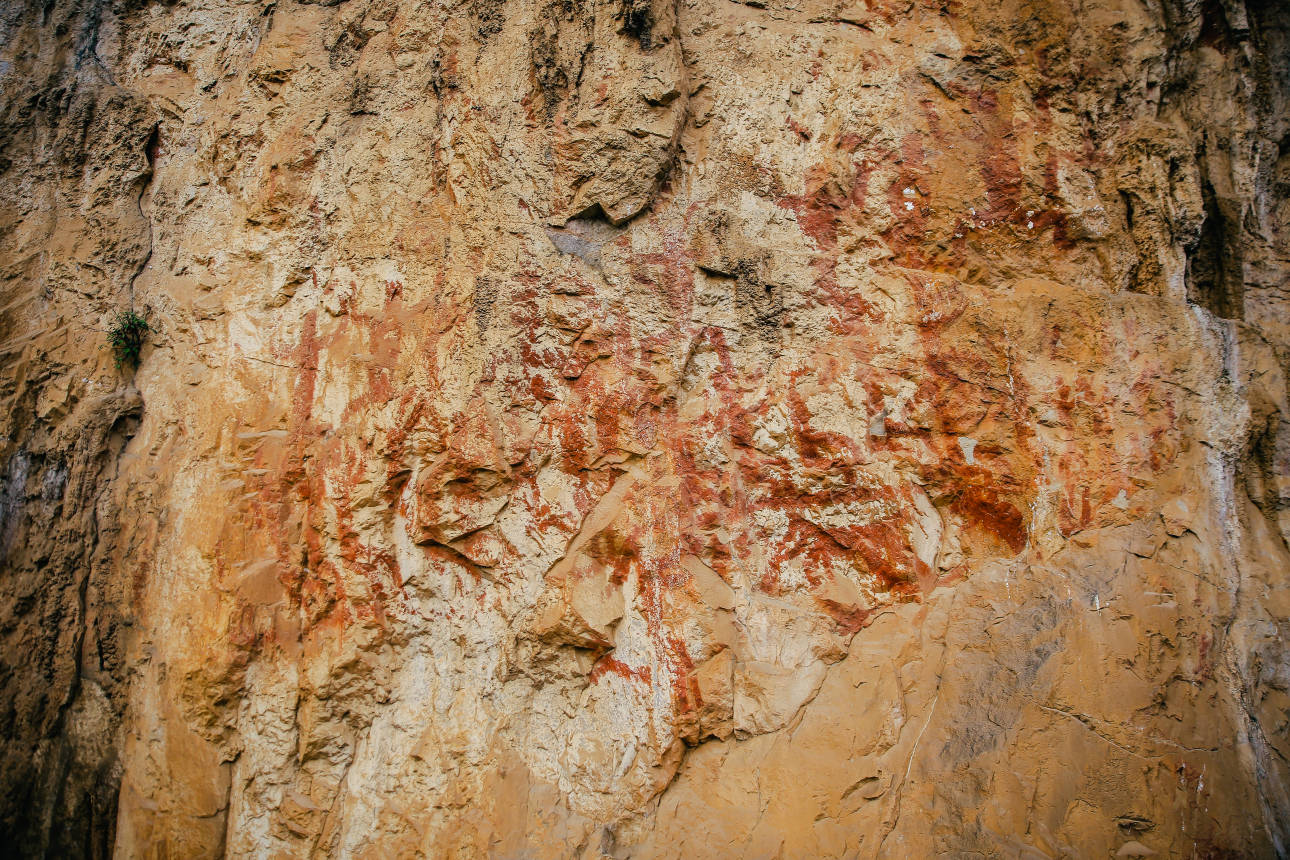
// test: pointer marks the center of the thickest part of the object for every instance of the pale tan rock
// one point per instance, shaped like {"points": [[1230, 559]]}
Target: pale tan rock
{"points": [[645, 429]]}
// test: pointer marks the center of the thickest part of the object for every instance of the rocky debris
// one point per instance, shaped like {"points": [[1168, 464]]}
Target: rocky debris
{"points": [[646, 429]]}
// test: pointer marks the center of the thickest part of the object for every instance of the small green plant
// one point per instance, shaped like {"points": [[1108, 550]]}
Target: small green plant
{"points": [[125, 336]]}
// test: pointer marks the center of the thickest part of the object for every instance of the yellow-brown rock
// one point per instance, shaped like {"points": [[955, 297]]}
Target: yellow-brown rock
{"points": [[645, 429]]}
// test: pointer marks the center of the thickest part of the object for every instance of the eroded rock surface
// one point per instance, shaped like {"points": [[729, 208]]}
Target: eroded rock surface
{"points": [[646, 428]]}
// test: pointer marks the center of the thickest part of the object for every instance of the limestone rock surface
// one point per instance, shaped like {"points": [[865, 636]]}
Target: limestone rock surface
{"points": [[645, 429]]}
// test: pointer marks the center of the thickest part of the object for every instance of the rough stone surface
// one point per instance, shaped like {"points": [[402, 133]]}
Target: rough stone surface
{"points": [[646, 429]]}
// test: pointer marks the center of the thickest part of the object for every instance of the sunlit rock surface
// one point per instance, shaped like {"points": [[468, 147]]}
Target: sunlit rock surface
{"points": [[646, 429]]}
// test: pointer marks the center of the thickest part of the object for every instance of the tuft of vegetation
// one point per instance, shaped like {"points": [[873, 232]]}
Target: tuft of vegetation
{"points": [[125, 337]]}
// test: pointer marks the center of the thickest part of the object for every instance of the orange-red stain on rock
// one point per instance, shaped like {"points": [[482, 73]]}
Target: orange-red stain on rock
{"points": [[833, 195], [608, 665]]}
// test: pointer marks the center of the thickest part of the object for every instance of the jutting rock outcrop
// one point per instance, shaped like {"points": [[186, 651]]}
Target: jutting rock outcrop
{"points": [[645, 429]]}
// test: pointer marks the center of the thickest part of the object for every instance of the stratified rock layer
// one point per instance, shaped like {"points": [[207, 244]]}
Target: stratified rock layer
{"points": [[646, 428]]}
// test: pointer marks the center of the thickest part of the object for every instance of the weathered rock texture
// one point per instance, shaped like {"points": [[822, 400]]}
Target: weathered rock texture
{"points": [[646, 428]]}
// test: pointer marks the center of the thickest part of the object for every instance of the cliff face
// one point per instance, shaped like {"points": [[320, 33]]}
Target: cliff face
{"points": [[646, 428]]}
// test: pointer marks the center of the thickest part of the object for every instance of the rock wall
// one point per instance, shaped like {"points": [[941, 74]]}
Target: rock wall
{"points": [[646, 429]]}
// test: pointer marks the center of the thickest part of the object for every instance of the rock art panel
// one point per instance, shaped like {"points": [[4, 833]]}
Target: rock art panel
{"points": [[645, 429]]}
